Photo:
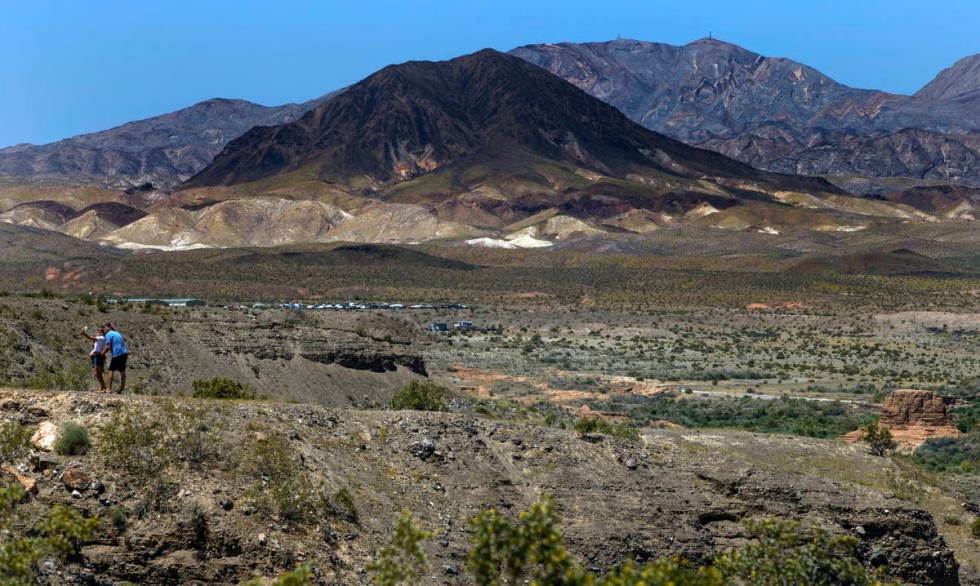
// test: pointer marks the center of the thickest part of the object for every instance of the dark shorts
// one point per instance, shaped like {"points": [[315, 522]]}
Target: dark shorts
{"points": [[118, 363], [98, 361]]}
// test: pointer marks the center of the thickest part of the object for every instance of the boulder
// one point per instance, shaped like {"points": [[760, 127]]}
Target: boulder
{"points": [[46, 435], [75, 479], [28, 483]]}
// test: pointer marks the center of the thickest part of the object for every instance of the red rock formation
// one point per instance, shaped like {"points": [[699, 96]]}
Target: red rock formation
{"points": [[914, 407], [912, 416]]}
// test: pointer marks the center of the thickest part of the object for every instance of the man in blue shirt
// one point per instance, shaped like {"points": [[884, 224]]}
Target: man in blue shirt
{"points": [[115, 345]]}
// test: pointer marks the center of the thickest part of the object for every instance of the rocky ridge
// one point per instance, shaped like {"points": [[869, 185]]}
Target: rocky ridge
{"points": [[335, 360], [162, 150], [776, 113]]}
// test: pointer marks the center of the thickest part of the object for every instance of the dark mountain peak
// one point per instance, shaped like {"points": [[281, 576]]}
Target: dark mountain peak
{"points": [[413, 118], [961, 78], [715, 43], [212, 102]]}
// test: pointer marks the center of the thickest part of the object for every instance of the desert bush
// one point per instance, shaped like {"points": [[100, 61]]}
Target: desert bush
{"points": [[975, 527], [599, 425], [73, 440], [189, 435], [961, 454], [950, 519], [60, 533], [118, 518], [786, 552], [342, 505], [131, 443], [531, 550], [967, 417], [420, 396], [301, 576], [404, 562], [785, 415], [194, 520], [878, 438], [284, 488], [222, 388], [15, 441], [59, 377]]}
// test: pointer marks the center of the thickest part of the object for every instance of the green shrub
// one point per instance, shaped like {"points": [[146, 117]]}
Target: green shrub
{"points": [[599, 425], [786, 552], [60, 533], [301, 576], [222, 388], [342, 505], [404, 562], [531, 550], [132, 444], [59, 377], [785, 415], [420, 396], [879, 439], [73, 440], [960, 454], [118, 517], [284, 488], [15, 441], [975, 527]]}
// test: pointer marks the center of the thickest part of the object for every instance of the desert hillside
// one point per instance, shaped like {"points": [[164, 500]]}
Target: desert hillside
{"points": [[213, 492]]}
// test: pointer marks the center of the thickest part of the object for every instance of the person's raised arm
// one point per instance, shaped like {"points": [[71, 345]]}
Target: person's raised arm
{"points": [[85, 334]]}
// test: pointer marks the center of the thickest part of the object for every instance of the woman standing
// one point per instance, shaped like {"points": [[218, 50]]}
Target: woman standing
{"points": [[97, 355]]}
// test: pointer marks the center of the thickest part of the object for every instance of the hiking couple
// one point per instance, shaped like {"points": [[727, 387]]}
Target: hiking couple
{"points": [[108, 343]]}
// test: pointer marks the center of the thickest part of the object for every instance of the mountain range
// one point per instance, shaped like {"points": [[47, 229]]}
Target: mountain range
{"points": [[778, 114], [163, 150], [504, 151], [452, 117], [773, 113]]}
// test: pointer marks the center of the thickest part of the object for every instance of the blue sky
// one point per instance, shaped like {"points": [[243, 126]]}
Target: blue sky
{"points": [[69, 67]]}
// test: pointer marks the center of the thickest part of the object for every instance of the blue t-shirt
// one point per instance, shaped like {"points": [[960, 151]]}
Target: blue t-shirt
{"points": [[115, 340]]}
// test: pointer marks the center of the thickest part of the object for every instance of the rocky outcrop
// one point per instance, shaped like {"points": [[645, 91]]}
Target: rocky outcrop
{"points": [[912, 416], [906, 407]]}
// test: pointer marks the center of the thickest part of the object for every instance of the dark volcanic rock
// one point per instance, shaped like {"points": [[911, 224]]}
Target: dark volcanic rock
{"points": [[778, 114]]}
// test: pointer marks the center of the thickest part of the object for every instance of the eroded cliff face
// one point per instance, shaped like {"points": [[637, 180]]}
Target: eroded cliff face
{"points": [[915, 407], [210, 519], [912, 416], [334, 358]]}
